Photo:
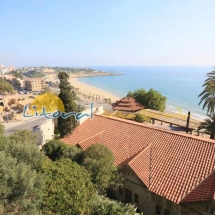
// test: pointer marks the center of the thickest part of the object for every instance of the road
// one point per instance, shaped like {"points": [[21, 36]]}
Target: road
{"points": [[29, 125]]}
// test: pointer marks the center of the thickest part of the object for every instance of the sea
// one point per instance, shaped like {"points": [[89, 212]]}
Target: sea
{"points": [[181, 85]]}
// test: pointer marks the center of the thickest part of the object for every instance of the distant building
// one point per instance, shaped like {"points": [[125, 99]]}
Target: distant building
{"points": [[34, 84], [22, 82], [11, 68], [3, 70], [127, 104], [9, 78]]}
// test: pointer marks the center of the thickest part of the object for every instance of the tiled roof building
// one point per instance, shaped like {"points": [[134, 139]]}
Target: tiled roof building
{"points": [[179, 168], [127, 104]]}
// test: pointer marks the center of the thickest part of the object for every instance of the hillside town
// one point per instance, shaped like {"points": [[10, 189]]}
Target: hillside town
{"points": [[165, 160]]}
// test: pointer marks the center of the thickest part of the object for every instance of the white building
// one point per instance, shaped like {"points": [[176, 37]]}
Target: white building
{"points": [[3, 70], [45, 132]]}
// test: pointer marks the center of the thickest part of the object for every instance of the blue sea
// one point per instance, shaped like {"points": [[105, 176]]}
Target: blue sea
{"points": [[181, 85]]}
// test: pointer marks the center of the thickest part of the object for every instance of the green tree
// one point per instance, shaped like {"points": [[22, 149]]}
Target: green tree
{"points": [[56, 150], [65, 126], [5, 86], [151, 99], [130, 94], [21, 185], [24, 137], [208, 94], [141, 118], [99, 161], [155, 100], [17, 74], [105, 206], [68, 188], [34, 74], [17, 84], [209, 126]]}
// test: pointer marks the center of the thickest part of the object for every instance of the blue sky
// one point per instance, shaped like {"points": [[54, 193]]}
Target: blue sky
{"points": [[107, 32]]}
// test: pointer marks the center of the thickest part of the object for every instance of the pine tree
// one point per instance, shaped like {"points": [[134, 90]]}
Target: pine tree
{"points": [[65, 126]]}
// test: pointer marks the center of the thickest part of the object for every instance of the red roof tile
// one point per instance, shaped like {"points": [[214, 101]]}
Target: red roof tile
{"points": [[203, 192], [127, 104], [170, 164]]}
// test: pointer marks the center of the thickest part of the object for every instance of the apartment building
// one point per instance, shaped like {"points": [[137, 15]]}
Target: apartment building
{"points": [[34, 84]]}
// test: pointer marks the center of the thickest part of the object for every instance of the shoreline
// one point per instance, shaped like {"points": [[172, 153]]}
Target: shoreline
{"points": [[84, 88], [90, 90]]}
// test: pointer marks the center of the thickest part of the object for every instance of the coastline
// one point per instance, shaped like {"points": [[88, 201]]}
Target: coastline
{"points": [[91, 90]]}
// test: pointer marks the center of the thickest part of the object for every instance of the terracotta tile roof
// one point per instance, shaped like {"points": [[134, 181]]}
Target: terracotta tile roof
{"points": [[88, 142], [127, 104], [203, 192], [175, 166], [141, 165]]}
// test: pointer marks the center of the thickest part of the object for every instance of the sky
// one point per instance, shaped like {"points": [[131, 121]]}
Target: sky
{"points": [[107, 32]]}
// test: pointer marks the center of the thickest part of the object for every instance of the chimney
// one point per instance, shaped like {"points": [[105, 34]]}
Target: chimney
{"points": [[188, 120]]}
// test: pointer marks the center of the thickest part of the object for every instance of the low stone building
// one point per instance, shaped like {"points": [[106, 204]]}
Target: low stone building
{"points": [[165, 172]]}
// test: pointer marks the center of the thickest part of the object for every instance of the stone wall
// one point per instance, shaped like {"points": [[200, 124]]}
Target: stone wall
{"points": [[149, 202]]}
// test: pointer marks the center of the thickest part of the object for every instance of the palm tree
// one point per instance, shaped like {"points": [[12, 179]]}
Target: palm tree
{"points": [[209, 126], [208, 94]]}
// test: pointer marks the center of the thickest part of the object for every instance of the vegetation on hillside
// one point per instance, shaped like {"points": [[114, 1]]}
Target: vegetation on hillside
{"points": [[17, 74], [32, 183], [99, 161], [141, 118], [5, 86], [34, 74], [21, 182], [56, 150], [151, 99], [73, 69]]}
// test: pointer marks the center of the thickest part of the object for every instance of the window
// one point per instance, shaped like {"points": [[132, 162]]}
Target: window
{"points": [[166, 212], [158, 210], [136, 198], [120, 191]]}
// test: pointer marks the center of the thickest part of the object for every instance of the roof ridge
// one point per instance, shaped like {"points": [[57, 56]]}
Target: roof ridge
{"points": [[201, 182], [130, 103], [157, 129], [91, 137], [138, 153]]}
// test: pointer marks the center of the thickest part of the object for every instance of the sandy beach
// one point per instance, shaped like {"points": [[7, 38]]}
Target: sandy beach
{"points": [[90, 90], [85, 89]]}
